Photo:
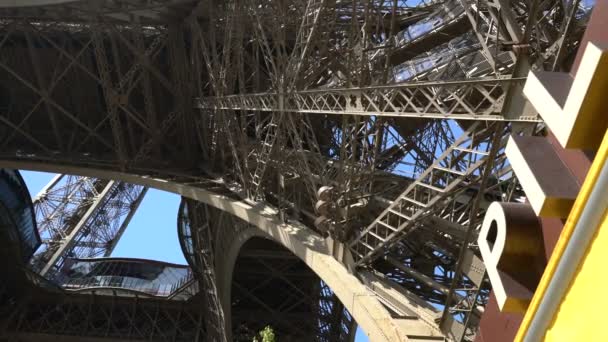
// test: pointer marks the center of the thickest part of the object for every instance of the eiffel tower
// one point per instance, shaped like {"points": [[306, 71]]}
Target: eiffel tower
{"points": [[335, 160]]}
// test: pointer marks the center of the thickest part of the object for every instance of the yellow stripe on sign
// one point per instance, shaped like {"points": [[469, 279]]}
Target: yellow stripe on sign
{"points": [[578, 289], [580, 315]]}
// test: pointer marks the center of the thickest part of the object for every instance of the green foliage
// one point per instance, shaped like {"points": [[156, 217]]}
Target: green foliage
{"points": [[266, 335]]}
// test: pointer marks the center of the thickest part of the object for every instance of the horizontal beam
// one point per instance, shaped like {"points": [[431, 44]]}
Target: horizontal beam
{"points": [[463, 100]]}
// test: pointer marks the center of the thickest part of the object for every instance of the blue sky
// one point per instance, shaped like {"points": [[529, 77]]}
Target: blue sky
{"points": [[152, 233]]}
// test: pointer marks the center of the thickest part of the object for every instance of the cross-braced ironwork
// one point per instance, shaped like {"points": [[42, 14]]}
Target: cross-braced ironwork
{"points": [[81, 217], [88, 316], [462, 100], [377, 123]]}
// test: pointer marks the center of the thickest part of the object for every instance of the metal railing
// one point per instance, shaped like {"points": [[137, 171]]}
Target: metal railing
{"points": [[145, 276]]}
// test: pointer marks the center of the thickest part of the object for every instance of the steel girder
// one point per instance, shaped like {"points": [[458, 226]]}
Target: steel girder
{"points": [[81, 217], [125, 103], [314, 58], [104, 317], [461, 100], [149, 12]]}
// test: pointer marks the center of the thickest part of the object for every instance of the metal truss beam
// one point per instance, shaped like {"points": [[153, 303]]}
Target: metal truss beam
{"points": [[450, 173], [69, 240], [462, 100], [81, 217], [99, 318]]}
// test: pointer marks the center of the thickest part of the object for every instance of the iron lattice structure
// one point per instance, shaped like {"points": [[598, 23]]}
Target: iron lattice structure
{"points": [[43, 318], [378, 124], [81, 217]]}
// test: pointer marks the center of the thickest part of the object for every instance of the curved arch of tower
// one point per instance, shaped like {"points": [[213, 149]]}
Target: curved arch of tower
{"points": [[335, 159], [261, 221]]}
